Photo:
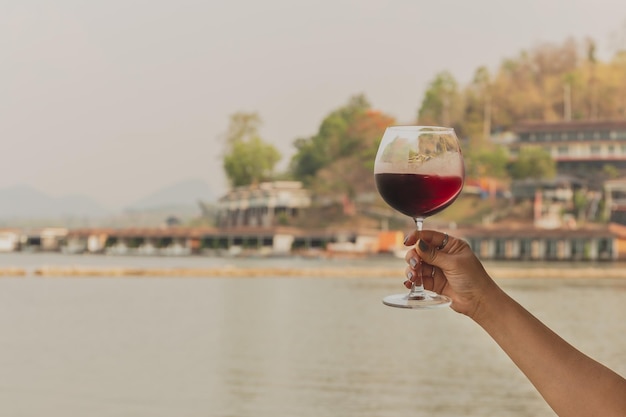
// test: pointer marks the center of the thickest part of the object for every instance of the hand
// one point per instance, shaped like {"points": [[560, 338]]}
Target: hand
{"points": [[451, 269]]}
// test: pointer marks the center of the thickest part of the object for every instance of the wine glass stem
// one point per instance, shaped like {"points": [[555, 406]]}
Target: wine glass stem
{"points": [[417, 288]]}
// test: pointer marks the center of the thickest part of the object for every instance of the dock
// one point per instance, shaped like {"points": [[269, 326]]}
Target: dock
{"points": [[594, 242]]}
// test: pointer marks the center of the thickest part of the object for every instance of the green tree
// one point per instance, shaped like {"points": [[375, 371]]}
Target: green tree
{"points": [[331, 142], [533, 162], [442, 103], [242, 126], [549, 82], [487, 162], [248, 159], [353, 173], [610, 171], [476, 122]]}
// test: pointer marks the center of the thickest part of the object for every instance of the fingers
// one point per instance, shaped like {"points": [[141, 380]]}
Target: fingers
{"points": [[444, 242], [429, 275], [433, 238], [430, 242], [430, 258]]}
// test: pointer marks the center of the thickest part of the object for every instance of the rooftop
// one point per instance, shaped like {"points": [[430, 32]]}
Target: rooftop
{"points": [[577, 125]]}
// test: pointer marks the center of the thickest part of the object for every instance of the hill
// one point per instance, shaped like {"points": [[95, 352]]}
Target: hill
{"points": [[21, 202], [24, 206], [184, 193]]}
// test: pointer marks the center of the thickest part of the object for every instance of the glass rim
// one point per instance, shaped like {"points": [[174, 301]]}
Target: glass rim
{"points": [[419, 128]]}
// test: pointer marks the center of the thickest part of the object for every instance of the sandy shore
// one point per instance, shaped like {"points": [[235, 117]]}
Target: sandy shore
{"points": [[12, 272], [234, 272], [558, 271]]}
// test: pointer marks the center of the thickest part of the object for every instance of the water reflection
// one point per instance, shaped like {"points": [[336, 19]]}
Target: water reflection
{"points": [[274, 347]]}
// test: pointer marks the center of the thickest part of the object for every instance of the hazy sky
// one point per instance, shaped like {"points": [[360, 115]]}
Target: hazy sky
{"points": [[118, 98]]}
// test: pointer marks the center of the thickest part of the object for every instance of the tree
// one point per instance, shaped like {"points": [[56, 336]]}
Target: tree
{"points": [[366, 130], [476, 123], [353, 173], [441, 105], [242, 126], [487, 162], [538, 84], [248, 159], [549, 82], [331, 142], [533, 162]]}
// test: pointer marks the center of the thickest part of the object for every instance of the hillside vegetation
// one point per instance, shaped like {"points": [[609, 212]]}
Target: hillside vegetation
{"points": [[550, 82]]}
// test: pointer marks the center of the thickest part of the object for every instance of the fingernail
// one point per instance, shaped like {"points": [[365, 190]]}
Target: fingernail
{"points": [[423, 246], [409, 275], [413, 262], [406, 238]]}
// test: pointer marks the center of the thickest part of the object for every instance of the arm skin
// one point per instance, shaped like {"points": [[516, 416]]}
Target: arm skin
{"points": [[573, 384]]}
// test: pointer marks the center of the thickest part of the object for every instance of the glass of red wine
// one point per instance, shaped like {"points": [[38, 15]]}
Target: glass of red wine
{"points": [[419, 171]]}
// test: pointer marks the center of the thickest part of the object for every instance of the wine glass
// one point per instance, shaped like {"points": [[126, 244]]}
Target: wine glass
{"points": [[419, 171]]}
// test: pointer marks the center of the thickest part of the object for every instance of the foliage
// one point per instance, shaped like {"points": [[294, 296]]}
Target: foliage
{"points": [[442, 105], [476, 119], [549, 82], [580, 203], [248, 159], [610, 171], [349, 133], [328, 144], [533, 162], [486, 162]]}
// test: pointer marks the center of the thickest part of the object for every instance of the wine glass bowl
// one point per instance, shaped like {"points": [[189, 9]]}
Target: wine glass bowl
{"points": [[419, 171]]}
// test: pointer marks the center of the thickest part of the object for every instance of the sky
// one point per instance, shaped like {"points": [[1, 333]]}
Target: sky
{"points": [[115, 99]]}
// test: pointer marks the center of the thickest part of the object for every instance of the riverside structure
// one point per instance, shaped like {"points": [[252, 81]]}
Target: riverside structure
{"points": [[505, 241]]}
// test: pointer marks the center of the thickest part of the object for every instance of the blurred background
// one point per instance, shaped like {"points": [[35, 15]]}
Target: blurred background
{"points": [[111, 106], [244, 133]]}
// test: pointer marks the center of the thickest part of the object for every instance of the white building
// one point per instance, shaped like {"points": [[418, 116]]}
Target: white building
{"points": [[578, 147], [9, 240], [262, 205]]}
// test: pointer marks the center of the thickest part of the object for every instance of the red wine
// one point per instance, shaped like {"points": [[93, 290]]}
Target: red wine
{"points": [[417, 195]]}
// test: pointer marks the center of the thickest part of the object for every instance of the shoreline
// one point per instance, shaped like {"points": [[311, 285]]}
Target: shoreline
{"points": [[496, 272]]}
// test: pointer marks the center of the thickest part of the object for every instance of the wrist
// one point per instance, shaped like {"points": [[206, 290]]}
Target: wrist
{"points": [[490, 306]]}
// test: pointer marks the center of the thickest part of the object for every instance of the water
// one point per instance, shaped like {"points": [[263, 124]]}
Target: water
{"points": [[268, 347]]}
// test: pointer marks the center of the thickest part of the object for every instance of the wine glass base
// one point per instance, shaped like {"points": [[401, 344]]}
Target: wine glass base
{"points": [[430, 300]]}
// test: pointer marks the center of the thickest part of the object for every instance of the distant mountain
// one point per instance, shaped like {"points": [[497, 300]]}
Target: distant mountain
{"points": [[21, 202], [184, 193], [26, 205]]}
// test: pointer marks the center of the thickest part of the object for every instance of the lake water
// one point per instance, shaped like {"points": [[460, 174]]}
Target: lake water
{"points": [[269, 347]]}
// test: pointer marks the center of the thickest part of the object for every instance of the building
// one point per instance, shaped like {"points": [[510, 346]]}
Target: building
{"points": [[554, 200], [590, 151], [615, 200], [9, 240], [262, 205], [581, 148], [522, 242]]}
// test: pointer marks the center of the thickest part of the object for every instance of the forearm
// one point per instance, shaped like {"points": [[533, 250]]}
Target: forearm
{"points": [[572, 383]]}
